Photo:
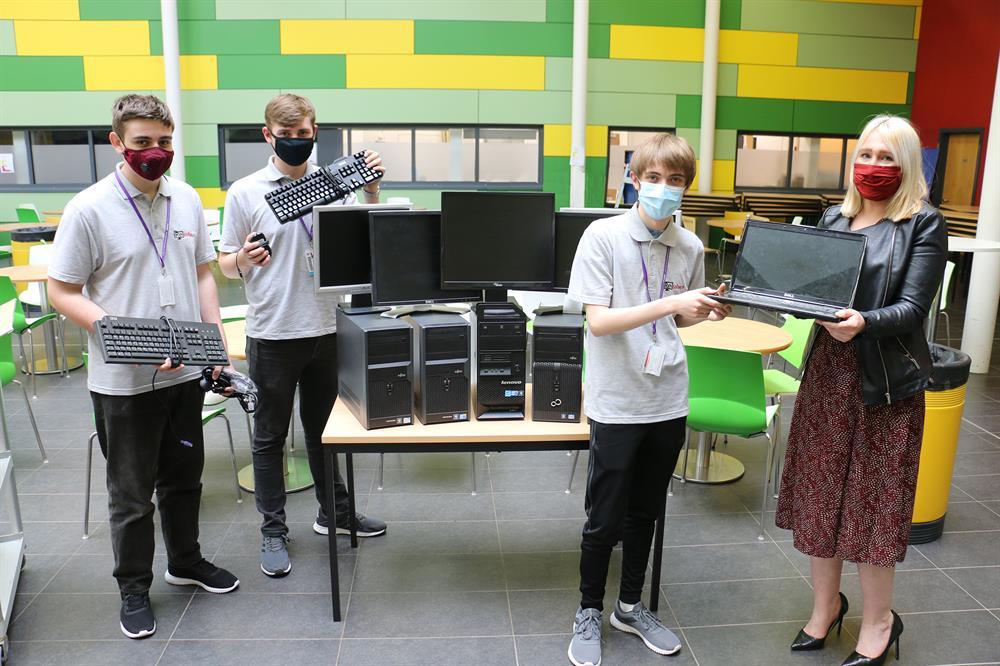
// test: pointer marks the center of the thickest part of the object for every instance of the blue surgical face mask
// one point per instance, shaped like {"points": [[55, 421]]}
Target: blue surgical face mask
{"points": [[659, 200]]}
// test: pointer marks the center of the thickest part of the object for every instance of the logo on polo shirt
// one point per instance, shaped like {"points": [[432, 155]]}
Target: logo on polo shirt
{"points": [[181, 235]]}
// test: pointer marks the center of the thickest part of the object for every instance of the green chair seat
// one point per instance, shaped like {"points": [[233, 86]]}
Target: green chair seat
{"points": [[726, 417], [22, 323], [7, 372], [209, 414], [777, 382]]}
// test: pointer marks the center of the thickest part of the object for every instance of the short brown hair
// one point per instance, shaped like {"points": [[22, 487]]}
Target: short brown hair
{"points": [[130, 107], [667, 149], [288, 110]]}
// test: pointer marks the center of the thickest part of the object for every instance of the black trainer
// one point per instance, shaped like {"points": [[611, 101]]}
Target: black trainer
{"points": [[137, 619], [205, 575], [367, 527]]}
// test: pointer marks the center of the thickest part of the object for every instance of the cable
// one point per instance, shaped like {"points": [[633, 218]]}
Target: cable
{"points": [[174, 351]]}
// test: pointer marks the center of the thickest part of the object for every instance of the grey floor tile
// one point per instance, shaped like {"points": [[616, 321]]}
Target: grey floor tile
{"points": [[44, 507], [310, 574], [56, 480], [426, 507], [914, 592], [983, 583], [447, 572], [540, 612], [536, 459], [551, 570], [99, 543], [497, 651], [119, 650], [38, 571], [977, 442], [532, 536], [762, 645], [245, 539], [429, 615], [983, 462], [93, 574], [969, 517], [57, 538], [985, 487], [424, 461], [536, 479], [964, 549], [534, 505], [246, 652], [440, 537], [717, 499], [710, 529], [913, 560], [434, 480], [239, 615], [617, 649], [708, 604], [89, 616], [947, 638], [688, 564]]}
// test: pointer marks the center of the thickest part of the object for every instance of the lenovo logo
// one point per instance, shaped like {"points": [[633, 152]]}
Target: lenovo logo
{"points": [[507, 382]]}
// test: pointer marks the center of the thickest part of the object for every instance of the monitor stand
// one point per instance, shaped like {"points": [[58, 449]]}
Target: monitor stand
{"points": [[495, 296], [361, 304], [548, 309], [403, 310]]}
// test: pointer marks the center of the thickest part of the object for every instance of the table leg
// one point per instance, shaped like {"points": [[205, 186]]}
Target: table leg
{"points": [[331, 513], [708, 466], [51, 365], [352, 520], [654, 583]]}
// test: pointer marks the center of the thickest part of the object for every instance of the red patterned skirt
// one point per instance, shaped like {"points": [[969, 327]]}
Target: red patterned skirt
{"points": [[850, 468]]}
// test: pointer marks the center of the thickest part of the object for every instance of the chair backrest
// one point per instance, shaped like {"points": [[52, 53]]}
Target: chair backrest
{"points": [[7, 293], [41, 255], [689, 223], [797, 220], [27, 213], [732, 378], [799, 329], [949, 270]]}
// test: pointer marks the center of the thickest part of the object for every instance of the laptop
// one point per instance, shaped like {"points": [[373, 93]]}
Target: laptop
{"points": [[804, 271]]}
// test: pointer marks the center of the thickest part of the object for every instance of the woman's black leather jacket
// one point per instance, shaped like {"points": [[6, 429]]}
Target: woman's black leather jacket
{"points": [[901, 276]]}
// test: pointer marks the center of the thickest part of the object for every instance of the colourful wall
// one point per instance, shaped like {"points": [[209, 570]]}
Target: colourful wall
{"points": [[954, 85], [785, 65]]}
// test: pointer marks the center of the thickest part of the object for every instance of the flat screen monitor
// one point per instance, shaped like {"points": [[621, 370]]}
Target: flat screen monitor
{"points": [[406, 259], [570, 225], [495, 240], [342, 248]]}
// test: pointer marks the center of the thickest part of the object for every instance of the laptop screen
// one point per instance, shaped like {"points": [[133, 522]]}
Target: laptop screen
{"points": [[802, 262]]}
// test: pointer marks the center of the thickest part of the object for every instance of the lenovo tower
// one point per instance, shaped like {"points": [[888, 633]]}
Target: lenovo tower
{"points": [[440, 367], [375, 369], [557, 368], [501, 344]]}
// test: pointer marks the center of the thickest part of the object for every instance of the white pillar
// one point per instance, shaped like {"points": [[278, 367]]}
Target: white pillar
{"points": [[709, 81], [578, 141], [984, 282], [172, 81]]}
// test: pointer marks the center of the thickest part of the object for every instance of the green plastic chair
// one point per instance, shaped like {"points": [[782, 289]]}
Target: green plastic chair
{"points": [[25, 325], [27, 213], [8, 372], [726, 396]]}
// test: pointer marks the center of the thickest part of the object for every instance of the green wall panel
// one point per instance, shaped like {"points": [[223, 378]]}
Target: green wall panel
{"points": [[292, 71], [839, 117], [689, 110], [221, 37], [654, 76], [692, 135], [117, 10], [682, 13], [558, 73], [391, 106], [725, 142], [829, 18], [202, 170], [857, 52], [595, 182], [559, 11], [225, 106], [42, 201], [7, 46], [631, 109], [203, 138], [285, 9], [910, 81], [729, 18], [41, 73], [493, 38], [555, 179], [91, 107], [749, 113], [599, 41], [448, 10], [524, 106]]}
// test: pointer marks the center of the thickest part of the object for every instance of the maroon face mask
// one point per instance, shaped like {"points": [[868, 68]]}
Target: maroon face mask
{"points": [[150, 163], [877, 183]]}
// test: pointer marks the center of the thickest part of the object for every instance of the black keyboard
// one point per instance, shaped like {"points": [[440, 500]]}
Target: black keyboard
{"points": [[148, 341], [330, 183]]}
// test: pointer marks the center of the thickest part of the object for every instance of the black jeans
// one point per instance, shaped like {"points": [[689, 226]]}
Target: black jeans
{"points": [[152, 441], [630, 466], [276, 366]]}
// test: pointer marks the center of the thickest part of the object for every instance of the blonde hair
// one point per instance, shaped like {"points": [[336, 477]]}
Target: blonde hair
{"points": [[130, 107], [667, 149], [901, 138], [288, 110]]}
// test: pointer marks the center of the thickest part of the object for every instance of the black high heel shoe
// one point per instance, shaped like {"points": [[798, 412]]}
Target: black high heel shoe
{"points": [[858, 659], [805, 642]]}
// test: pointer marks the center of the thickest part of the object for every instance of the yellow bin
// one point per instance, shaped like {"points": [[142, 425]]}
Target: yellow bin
{"points": [[23, 239], [944, 401]]}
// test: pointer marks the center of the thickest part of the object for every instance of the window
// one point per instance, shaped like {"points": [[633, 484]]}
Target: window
{"points": [[790, 162], [54, 159], [621, 144], [416, 157]]}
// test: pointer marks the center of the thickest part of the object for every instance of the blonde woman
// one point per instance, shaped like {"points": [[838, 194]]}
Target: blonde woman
{"points": [[854, 445]]}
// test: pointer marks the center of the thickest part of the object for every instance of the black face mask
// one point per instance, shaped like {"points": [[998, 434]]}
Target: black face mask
{"points": [[293, 151]]}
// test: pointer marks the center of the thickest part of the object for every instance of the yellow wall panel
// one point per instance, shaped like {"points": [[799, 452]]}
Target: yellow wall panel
{"points": [[911, 3], [211, 197], [339, 36], [916, 23], [820, 83], [759, 48], [86, 38], [446, 71], [558, 140], [146, 72], [641, 42], [723, 176], [50, 10]]}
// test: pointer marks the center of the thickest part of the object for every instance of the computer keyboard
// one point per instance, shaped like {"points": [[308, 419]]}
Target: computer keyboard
{"points": [[330, 183], [150, 341]]}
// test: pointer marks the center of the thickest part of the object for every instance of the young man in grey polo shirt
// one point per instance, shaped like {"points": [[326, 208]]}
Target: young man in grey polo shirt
{"points": [[640, 276], [291, 329], [135, 244]]}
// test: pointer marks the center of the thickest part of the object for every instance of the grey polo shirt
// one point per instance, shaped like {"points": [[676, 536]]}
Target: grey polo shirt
{"points": [[284, 304], [101, 245], [607, 270]]}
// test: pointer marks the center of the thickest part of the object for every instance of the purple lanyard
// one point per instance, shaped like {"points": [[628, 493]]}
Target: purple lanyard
{"points": [[161, 255], [309, 231], [645, 276]]}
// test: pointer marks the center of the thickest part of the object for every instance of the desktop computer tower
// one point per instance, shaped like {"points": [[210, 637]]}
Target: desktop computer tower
{"points": [[557, 368], [501, 354], [440, 367], [375, 369]]}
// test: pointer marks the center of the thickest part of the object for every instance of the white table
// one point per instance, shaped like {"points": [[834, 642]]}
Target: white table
{"points": [[957, 244]]}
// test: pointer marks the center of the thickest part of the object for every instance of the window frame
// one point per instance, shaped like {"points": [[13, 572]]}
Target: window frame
{"points": [[791, 136], [33, 186], [412, 183]]}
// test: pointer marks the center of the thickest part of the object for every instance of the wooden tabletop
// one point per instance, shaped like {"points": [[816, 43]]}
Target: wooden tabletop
{"points": [[26, 273], [343, 428], [960, 207], [236, 338], [27, 226], [737, 333]]}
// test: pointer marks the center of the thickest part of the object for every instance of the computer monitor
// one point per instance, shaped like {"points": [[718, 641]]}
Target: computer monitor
{"points": [[342, 248], [570, 225], [497, 240], [406, 259]]}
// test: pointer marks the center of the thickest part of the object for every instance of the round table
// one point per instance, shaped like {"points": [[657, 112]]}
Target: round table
{"points": [[297, 474], [713, 467], [15, 226]]}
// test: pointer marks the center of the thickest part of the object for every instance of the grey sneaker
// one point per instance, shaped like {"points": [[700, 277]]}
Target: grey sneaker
{"points": [[585, 648], [646, 626], [274, 560]]}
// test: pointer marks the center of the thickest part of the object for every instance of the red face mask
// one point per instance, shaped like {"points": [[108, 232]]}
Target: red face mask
{"points": [[877, 183], [150, 163]]}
